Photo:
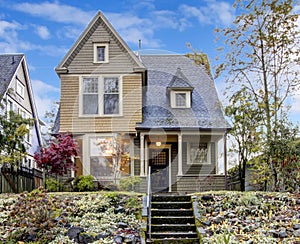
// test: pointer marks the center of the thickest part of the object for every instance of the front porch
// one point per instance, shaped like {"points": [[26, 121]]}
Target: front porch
{"points": [[193, 183], [181, 161]]}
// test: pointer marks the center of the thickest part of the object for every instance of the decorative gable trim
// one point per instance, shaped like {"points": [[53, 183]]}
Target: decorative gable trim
{"points": [[61, 68]]}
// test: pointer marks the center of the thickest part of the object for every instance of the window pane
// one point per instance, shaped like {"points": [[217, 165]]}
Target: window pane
{"points": [[111, 85], [101, 54], [180, 99], [101, 166], [111, 103], [199, 152], [90, 85], [90, 104]]}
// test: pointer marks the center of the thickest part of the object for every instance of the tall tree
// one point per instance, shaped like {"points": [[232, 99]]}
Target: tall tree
{"points": [[262, 57], [246, 120]]}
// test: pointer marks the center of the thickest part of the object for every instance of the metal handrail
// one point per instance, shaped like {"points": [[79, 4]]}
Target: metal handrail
{"points": [[149, 194]]}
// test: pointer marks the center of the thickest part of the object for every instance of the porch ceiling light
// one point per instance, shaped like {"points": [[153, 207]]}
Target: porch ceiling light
{"points": [[158, 143]]}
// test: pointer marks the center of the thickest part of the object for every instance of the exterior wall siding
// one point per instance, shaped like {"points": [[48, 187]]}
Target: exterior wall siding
{"points": [[190, 184], [81, 61], [132, 104]]}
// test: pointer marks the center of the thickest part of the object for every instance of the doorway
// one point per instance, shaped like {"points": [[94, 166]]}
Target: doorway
{"points": [[159, 162]]}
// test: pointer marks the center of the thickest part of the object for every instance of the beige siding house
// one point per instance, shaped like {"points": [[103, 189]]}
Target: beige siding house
{"points": [[158, 110]]}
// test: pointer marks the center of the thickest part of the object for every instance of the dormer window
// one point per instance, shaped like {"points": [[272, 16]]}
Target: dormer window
{"points": [[180, 99], [179, 91], [100, 52]]}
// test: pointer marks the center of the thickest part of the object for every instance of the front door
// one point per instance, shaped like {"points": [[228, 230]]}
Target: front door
{"points": [[159, 162]]}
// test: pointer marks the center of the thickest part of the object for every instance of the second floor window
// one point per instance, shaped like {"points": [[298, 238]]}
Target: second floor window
{"points": [[90, 101], [100, 96], [111, 96]]}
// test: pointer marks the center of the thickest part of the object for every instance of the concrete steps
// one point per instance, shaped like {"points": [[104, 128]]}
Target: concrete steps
{"points": [[172, 220]]}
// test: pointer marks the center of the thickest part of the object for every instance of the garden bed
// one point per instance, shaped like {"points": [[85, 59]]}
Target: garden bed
{"points": [[99, 217], [115, 217], [249, 217]]}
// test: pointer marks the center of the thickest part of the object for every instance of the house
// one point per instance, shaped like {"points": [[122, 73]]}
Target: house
{"points": [[17, 95], [165, 108]]}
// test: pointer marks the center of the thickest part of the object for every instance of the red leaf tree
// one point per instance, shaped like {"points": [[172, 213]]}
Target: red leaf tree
{"points": [[57, 158]]}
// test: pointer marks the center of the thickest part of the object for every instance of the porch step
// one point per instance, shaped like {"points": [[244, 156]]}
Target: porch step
{"points": [[172, 220]]}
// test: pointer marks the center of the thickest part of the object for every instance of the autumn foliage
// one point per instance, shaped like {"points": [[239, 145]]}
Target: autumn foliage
{"points": [[57, 157]]}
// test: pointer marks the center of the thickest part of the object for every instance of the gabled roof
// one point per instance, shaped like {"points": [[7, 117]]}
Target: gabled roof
{"points": [[9, 64], [205, 112], [179, 81], [69, 56]]}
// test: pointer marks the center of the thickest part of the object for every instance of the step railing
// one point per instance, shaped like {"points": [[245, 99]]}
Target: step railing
{"points": [[149, 196]]}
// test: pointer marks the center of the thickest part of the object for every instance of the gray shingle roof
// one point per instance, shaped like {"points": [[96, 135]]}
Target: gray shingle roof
{"points": [[8, 66], [179, 81], [205, 111]]}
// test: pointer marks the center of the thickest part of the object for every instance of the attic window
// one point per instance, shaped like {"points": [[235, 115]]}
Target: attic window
{"points": [[20, 89], [100, 52], [180, 99]]}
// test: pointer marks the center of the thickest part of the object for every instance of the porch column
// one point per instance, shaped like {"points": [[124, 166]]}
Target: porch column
{"points": [[225, 160], [146, 162], [142, 156], [179, 154]]}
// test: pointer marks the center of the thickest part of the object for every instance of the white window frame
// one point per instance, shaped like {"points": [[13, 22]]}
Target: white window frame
{"points": [[20, 89], [101, 96], [96, 46], [189, 161], [187, 99]]}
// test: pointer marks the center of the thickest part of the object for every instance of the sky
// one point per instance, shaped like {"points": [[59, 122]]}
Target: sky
{"points": [[45, 30]]}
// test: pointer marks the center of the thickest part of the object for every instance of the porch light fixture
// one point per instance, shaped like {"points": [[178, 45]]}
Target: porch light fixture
{"points": [[158, 143]]}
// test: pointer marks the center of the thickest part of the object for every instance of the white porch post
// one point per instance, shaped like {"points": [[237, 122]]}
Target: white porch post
{"points": [[146, 161], [142, 156], [179, 154]]}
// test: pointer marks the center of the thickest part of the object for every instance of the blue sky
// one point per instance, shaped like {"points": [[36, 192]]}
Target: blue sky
{"points": [[46, 30]]}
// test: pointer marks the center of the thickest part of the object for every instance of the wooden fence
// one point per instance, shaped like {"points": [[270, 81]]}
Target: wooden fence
{"points": [[14, 180]]}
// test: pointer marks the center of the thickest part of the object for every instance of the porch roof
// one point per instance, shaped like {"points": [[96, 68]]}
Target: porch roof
{"points": [[205, 111]]}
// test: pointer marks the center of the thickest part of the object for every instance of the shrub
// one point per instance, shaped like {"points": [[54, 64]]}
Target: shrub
{"points": [[129, 183], [84, 183], [54, 185], [35, 217]]}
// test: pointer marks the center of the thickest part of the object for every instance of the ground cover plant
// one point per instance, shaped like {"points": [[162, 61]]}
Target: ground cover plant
{"points": [[249, 217], [98, 217]]}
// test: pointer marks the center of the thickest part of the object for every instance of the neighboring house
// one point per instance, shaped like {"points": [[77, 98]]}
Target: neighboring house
{"points": [[165, 107], [17, 95]]}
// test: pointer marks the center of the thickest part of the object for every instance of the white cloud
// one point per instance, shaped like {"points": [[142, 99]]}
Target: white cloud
{"points": [[56, 12], [295, 104], [215, 12], [43, 32], [132, 29], [45, 96]]}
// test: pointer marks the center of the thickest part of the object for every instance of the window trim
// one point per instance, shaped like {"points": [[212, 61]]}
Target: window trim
{"points": [[189, 161], [22, 92], [187, 99], [106, 46], [101, 96], [91, 152]]}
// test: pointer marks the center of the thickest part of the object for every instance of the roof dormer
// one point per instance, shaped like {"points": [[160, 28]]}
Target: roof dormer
{"points": [[180, 91]]}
